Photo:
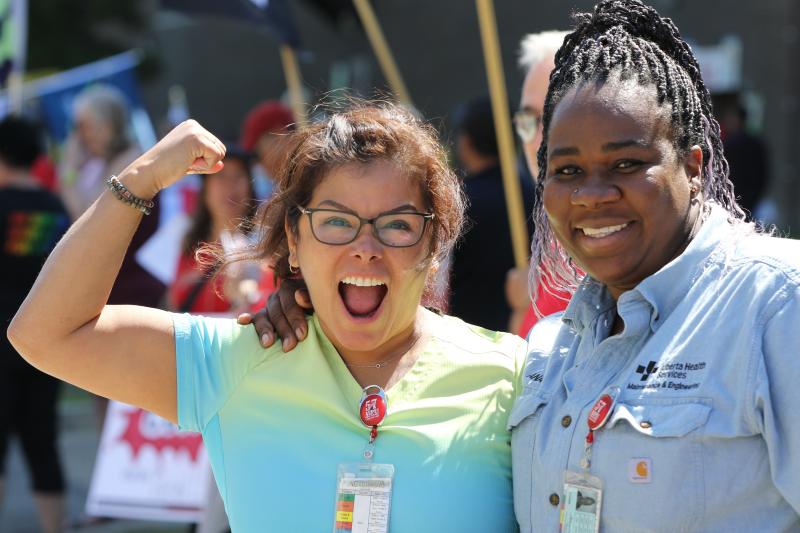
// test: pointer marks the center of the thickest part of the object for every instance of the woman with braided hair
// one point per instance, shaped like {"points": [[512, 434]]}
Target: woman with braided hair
{"points": [[662, 398]]}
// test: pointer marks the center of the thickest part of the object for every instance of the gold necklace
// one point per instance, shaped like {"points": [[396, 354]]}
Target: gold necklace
{"points": [[382, 364], [379, 364]]}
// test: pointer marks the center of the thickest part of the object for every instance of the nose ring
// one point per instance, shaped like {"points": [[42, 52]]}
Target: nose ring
{"points": [[575, 191]]}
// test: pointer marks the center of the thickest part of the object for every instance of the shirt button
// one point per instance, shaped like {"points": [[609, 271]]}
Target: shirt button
{"points": [[645, 424], [566, 421], [554, 499]]}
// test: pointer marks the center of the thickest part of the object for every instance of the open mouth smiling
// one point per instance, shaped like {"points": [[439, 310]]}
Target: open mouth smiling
{"points": [[362, 296]]}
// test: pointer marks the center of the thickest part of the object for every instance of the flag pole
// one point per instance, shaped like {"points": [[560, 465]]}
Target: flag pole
{"points": [[385, 59], [505, 138], [293, 83]]}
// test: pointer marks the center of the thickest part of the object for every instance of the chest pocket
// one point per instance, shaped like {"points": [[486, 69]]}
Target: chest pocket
{"points": [[651, 450], [662, 418], [523, 422], [526, 406]]}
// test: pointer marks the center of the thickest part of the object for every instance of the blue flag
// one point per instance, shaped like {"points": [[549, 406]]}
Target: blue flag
{"points": [[274, 14]]}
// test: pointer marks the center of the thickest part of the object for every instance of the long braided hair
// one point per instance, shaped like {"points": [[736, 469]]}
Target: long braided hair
{"points": [[630, 39]]}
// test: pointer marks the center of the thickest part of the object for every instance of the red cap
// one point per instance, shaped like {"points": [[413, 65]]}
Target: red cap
{"points": [[267, 117]]}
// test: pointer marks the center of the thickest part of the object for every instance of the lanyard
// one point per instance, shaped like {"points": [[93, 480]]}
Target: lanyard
{"points": [[372, 409], [598, 416], [364, 490], [601, 411]]}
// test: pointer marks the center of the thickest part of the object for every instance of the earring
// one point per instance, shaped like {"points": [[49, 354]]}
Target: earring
{"points": [[694, 190], [293, 269]]}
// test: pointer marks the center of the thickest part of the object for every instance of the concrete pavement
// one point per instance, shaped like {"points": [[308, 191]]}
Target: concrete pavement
{"points": [[78, 443]]}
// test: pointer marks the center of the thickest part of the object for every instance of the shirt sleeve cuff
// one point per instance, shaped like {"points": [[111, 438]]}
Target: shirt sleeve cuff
{"points": [[187, 412]]}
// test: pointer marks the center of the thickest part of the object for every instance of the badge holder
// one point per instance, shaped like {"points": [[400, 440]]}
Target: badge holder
{"points": [[583, 492], [583, 498], [364, 490]]}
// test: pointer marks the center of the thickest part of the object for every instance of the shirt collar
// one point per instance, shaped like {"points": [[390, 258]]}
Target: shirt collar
{"points": [[590, 300], [665, 289], [662, 290]]}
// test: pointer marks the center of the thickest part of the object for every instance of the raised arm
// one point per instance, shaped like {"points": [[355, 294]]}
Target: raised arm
{"points": [[65, 328]]}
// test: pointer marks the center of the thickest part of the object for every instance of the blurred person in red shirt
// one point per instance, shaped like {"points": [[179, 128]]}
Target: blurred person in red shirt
{"points": [[226, 202]]}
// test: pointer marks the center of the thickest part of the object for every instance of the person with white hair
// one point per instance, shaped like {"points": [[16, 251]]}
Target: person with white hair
{"points": [[536, 53], [98, 146]]}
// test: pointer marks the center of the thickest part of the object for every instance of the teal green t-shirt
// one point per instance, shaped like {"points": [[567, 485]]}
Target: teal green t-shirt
{"points": [[276, 426]]}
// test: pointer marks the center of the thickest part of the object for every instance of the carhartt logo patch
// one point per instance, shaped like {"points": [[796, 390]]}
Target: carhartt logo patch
{"points": [[640, 470], [646, 371]]}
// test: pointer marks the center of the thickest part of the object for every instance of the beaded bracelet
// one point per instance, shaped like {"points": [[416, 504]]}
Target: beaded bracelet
{"points": [[124, 195]]}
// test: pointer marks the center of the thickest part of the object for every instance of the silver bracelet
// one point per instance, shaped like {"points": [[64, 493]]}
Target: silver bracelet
{"points": [[125, 196]]}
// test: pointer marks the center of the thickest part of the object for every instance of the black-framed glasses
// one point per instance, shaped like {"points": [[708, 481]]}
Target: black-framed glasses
{"points": [[526, 123], [335, 227]]}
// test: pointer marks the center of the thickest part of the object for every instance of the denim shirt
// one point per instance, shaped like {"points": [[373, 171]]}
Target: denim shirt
{"points": [[705, 434]]}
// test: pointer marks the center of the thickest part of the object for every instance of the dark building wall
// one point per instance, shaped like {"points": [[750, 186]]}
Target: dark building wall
{"points": [[770, 32], [226, 67]]}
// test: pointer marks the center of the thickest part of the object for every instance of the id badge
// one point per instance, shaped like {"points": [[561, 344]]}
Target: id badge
{"points": [[583, 499], [363, 498]]}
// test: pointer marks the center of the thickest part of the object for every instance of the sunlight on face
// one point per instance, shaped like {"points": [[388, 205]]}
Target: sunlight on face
{"points": [[616, 191], [366, 294]]}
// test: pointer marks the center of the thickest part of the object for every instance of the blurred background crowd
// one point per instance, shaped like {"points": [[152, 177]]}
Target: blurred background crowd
{"points": [[99, 82]]}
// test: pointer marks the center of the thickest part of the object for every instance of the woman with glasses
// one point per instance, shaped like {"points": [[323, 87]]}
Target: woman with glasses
{"points": [[388, 416]]}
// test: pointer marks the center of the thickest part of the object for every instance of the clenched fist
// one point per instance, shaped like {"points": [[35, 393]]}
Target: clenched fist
{"points": [[188, 149]]}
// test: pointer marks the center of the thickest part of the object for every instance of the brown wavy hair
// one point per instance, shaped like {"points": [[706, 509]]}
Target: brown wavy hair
{"points": [[363, 133]]}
